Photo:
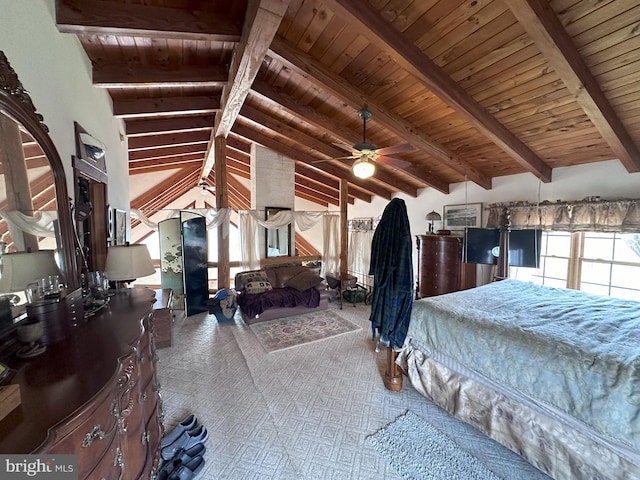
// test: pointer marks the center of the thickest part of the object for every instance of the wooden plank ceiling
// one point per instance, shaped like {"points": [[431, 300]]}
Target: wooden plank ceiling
{"points": [[479, 89]]}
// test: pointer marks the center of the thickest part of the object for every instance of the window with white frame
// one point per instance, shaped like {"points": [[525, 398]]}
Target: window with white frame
{"points": [[600, 263]]}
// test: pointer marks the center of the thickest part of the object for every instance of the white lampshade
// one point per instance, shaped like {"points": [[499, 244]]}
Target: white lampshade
{"points": [[363, 168], [22, 268], [128, 262]]}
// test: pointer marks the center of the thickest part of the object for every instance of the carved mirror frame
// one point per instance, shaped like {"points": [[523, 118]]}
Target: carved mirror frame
{"points": [[15, 101]]}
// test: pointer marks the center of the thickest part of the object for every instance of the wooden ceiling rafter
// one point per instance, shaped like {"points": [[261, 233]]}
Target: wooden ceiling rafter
{"points": [[320, 146], [326, 124], [261, 22], [295, 155], [167, 191], [137, 75], [99, 17], [148, 126], [550, 36], [412, 59], [167, 106], [313, 71]]}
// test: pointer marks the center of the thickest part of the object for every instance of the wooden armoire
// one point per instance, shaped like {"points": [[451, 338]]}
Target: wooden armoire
{"points": [[440, 266]]}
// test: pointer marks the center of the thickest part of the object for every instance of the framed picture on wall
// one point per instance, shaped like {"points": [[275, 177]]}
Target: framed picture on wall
{"points": [[458, 217], [120, 227]]}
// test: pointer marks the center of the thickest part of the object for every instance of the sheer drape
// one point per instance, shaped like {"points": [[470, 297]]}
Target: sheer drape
{"points": [[593, 216], [213, 217], [41, 224], [360, 251], [331, 244], [248, 222]]}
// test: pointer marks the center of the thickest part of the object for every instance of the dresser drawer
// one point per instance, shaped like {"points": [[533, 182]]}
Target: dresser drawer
{"points": [[90, 434]]}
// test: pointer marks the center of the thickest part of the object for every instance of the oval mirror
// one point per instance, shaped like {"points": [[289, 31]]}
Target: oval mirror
{"points": [[34, 207]]}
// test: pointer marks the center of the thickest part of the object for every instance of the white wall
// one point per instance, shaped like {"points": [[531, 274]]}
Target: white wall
{"points": [[54, 69]]}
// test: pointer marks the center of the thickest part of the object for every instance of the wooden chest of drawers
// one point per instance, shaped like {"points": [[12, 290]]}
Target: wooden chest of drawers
{"points": [[95, 395], [440, 267]]}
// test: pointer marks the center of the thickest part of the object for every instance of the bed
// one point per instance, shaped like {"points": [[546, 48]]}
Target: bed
{"points": [[552, 374]]}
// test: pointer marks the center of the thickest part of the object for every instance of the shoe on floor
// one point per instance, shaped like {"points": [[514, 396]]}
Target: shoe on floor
{"points": [[181, 457], [188, 470], [187, 440], [187, 424]]}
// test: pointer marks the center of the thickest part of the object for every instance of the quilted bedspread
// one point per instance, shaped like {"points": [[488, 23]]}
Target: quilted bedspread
{"points": [[577, 352]]}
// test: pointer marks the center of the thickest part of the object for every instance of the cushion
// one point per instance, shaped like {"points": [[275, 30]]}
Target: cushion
{"points": [[257, 287], [304, 280], [243, 278]]}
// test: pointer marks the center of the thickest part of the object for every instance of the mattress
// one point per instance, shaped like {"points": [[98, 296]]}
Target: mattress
{"points": [[574, 352]]}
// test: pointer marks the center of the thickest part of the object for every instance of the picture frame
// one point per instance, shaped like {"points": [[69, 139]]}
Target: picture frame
{"points": [[120, 227], [459, 217]]}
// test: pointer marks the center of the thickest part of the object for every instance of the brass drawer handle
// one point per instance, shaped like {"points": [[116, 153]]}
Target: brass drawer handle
{"points": [[93, 434]]}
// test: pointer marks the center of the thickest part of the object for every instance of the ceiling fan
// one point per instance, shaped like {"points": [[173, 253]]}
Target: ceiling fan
{"points": [[367, 154], [205, 187]]}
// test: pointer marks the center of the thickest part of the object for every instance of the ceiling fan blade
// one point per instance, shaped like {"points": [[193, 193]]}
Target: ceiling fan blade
{"points": [[396, 162], [350, 157], [344, 146], [402, 148]]}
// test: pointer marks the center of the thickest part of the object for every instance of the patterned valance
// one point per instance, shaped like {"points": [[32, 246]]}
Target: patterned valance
{"points": [[578, 216]]}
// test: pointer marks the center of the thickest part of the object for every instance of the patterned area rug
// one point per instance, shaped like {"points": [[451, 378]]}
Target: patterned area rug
{"points": [[418, 450], [290, 332]]}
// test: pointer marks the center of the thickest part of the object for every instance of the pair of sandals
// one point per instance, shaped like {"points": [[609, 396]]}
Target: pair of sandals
{"points": [[183, 450]]}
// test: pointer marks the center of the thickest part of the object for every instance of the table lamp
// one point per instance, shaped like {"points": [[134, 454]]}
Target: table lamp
{"points": [[432, 217], [127, 262], [20, 270]]}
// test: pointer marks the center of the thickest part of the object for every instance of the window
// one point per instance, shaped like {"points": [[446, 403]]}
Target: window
{"points": [[600, 263]]}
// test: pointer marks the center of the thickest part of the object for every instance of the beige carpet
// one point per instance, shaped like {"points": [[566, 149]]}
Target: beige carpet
{"points": [[283, 333]]}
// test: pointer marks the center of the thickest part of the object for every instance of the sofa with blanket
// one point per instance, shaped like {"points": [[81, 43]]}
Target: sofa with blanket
{"points": [[278, 292]]}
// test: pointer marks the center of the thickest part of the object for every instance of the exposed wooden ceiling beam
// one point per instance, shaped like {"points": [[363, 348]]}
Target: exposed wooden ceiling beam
{"points": [[167, 152], [311, 70], [135, 127], [412, 59], [167, 191], [261, 22], [101, 17], [130, 75], [314, 195], [325, 123], [548, 33], [163, 140], [331, 182], [165, 106], [239, 195], [292, 153], [319, 187], [166, 163], [320, 146]]}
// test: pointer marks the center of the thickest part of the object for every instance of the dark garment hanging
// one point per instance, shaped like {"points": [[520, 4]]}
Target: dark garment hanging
{"points": [[392, 269]]}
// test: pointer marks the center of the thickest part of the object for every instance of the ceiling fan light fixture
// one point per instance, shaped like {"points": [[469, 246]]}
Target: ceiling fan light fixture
{"points": [[363, 168]]}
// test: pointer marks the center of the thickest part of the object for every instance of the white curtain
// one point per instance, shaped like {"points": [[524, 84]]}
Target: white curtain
{"points": [[360, 251], [331, 244], [214, 218], [41, 224], [248, 223], [251, 219], [248, 227]]}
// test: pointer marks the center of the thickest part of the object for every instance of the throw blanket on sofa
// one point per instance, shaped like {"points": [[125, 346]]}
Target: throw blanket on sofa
{"points": [[253, 304]]}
